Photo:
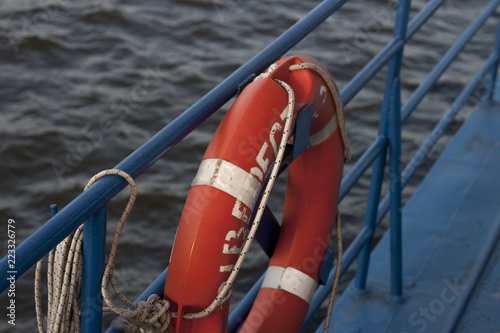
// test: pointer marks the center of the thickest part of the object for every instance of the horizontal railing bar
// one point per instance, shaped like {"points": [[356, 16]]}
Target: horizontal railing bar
{"points": [[359, 169], [348, 182], [238, 315], [156, 287], [353, 250], [59, 227], [348, 258], [87, 203], [446, 61], [242, 309], [438, 131], [371, 69]]}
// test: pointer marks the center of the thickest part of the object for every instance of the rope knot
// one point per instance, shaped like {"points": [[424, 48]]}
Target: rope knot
{"points": [[149, 316]]}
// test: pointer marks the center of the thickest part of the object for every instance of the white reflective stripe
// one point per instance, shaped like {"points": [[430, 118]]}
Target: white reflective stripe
{"points": [[291, 280], [228, 178], [324, 133], [226, 268]]}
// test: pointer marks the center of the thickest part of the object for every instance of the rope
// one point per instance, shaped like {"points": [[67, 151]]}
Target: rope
{"points": [[337, 275], [260, 209], [267, 191], [64, 282], [153, 315], [336, 99], [340, 115]]}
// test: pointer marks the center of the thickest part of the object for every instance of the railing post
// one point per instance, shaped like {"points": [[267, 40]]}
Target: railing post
{"points": [[370, 219], [490, 90], [400, 27], [394, 136], [94, 244]]}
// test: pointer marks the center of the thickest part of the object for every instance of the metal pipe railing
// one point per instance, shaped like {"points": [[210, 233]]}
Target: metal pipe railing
{"points": [[90, 206], [87, 203]]}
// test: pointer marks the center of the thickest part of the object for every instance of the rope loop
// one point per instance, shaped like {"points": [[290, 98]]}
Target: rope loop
{"points": [[64, 277], [146, 316]]}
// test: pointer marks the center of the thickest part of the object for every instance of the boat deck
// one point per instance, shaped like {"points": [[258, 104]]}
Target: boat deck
{"points": [[451, 252]]}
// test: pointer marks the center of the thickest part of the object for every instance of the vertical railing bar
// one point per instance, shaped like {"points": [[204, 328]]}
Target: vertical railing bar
{"points": [[361, 79], [394, 143], [348, 258], [494, 70], [359, 283], [364, 162], [394, 136], [400, 28], [438, 130], [94, 244]]}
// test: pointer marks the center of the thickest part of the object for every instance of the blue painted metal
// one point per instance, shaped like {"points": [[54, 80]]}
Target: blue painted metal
{"points": [[245, 82], [383, 57], [483, 260], [53, 209], [81, 208], [446, 61], [394, 134], [301, 132], [369, 223], [156, 287], [94, 246], [92, 202], [268, 232], [87, 203], [492, 80], [451, 229], [323, 291], [390, 95], [439, 129], [326, 265], [239, 314], [364, 162]]}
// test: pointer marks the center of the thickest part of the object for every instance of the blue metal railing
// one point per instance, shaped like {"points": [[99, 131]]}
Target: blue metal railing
{"points": [[90, 206]]}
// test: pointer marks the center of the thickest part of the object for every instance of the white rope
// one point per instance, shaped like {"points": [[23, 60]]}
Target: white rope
{"points": [[337, 276], [147, 316], [65, 262], [336, 99], [260, 209], [267, 191], [64, 280], [345, 140]]}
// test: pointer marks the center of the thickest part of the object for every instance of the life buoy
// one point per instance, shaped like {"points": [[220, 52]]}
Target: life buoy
{"points": [[216, 216]]}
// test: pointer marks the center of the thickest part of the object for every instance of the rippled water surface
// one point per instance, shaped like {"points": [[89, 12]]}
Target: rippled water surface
{"points": [[84, 83]]}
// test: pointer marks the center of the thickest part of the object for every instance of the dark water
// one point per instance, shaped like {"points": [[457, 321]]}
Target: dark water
{"points": [[84, 83]]}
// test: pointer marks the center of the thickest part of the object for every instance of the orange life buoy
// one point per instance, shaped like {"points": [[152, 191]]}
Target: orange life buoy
{"points": [[216, 216]]}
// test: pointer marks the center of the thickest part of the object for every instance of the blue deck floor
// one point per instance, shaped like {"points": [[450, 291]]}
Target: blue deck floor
{"points": [[451, 251]]}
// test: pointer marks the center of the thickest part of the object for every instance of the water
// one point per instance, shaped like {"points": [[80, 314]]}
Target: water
{"points": [[84, 83]]}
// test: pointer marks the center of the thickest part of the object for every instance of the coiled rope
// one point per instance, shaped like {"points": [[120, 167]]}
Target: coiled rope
{"points": [[64, 280], [64, 283]]}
